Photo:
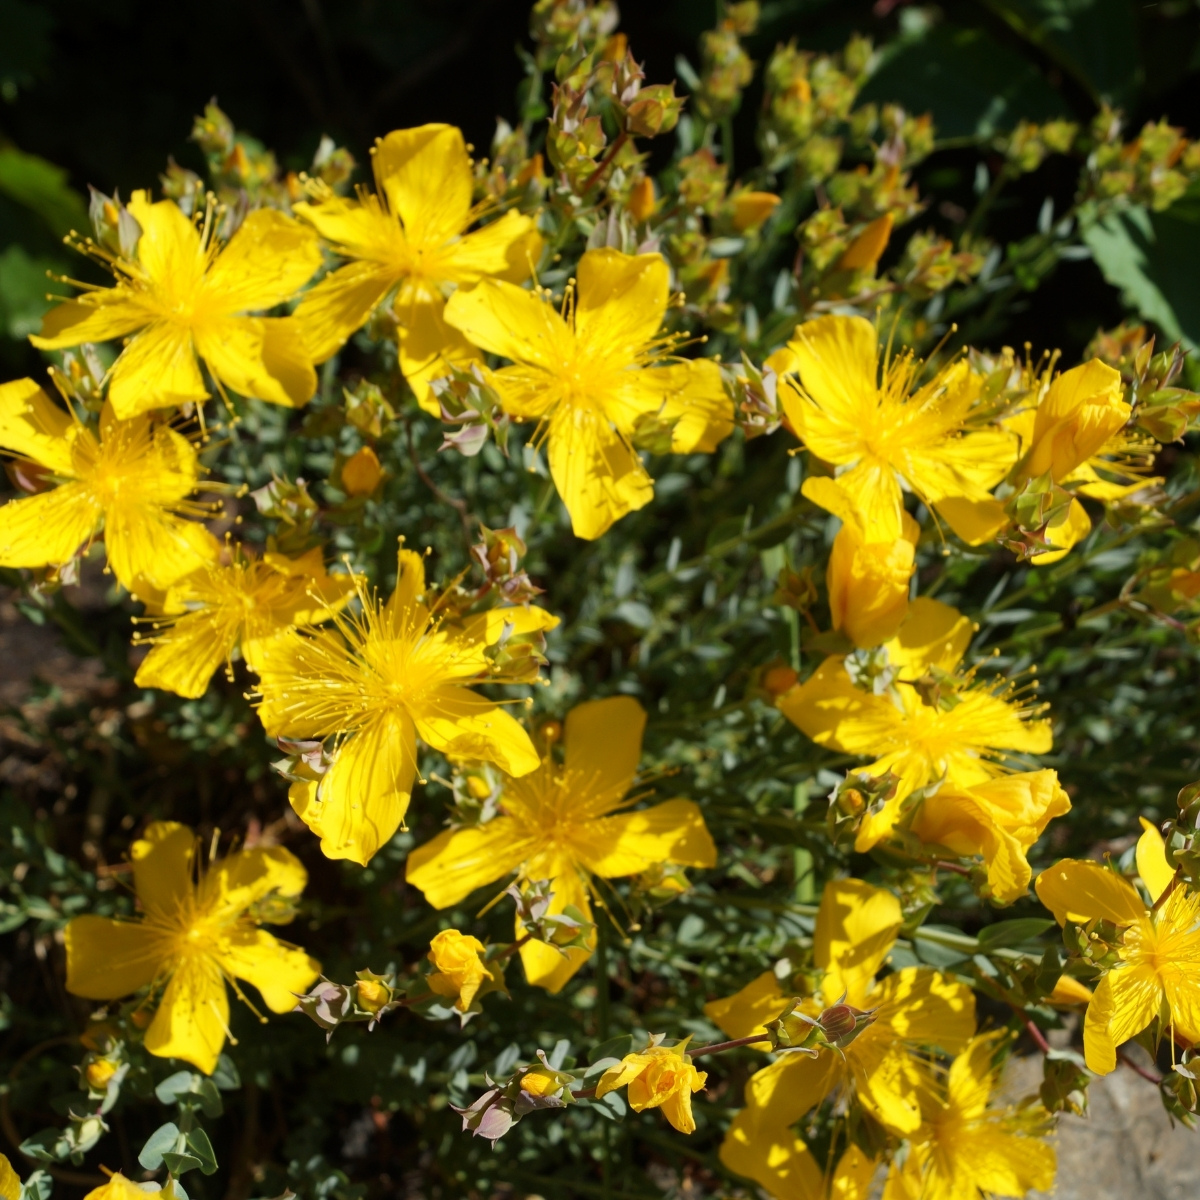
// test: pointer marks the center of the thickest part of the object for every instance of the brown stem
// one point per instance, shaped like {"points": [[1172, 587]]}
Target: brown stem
{"points": [[604, 163], [717, 1047], [1039, 1038], [957, 868], [417, 999], [459, 506], [1149, 1076], [509, 951], [1176, 880]]}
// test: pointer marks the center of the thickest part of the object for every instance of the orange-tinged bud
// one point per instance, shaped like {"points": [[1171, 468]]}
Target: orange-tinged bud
{"points": [[867, 249], [141, 1018], [642, 201], [460, 970], [361, 473], [615, 48], [99, 1072], [751, 209], [534, 169], [537, 1084], [779, 679], [373, 995]]}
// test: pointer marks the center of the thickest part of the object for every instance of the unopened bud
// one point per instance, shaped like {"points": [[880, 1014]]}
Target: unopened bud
{"points": [[361, 473], [98, 1073]]}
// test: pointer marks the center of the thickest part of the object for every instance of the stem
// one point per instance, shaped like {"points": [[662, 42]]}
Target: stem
{"points": [[717, 1047], [602, 1014], [1176, 880], [1034, 1032], [605, 162], [459, 506], [1149, 1076], [509, 951]]}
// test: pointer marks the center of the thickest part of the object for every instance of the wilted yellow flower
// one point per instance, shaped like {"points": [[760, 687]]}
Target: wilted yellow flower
{"points": [[390, 674], [915, 1008], [1159, 953], [962, 738], [998, 820], [884, 430], [751, 209], [460, 970], [561, 822], [658, 1077], [198, 928], [966, 1149], [867, 249], [131, 479], [361, 472], [10, 1181], [236, 604], [186, 297], [410, 235], [868, 580], [587, 375]]}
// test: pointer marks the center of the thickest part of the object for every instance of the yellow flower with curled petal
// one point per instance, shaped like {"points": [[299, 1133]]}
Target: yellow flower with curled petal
{"points": [[131, 479], [998, 820], [236, 603], [198, 929], [460, 970], [589, 373], [412, 235], [384, 677], [879, 426], [867, 579], [963, 738], [968, 1148], [184, 298], [1158, 972], [915, 1008], [562, 823], [658, 1077]]}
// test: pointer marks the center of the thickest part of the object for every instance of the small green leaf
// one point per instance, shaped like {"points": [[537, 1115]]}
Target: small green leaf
{"points": [[616, 1047], [158, 1145], [1012, 933], [41, 186], [180, 1164], [201, 1147]]}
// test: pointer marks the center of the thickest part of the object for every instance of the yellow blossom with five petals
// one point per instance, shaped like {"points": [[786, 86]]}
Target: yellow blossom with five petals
{"points": [[184, 298], [382, 678], [562, 823], [411, 235], [589, 373], [131, 479], [199, 928]]}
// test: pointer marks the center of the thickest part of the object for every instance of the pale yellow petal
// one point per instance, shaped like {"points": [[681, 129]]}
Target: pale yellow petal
{"points": [[163, 864], [631, 842], [462, 724], [925, 1008], [504, 319], [263, 357], [620, 303], [187, 653], [109, 959], [747, 1011], [1079, 891], [933, 635], [506, 249], [158, 369], [836, 358], [452, 865], [93, 317], [340, 305], [169, 247]]}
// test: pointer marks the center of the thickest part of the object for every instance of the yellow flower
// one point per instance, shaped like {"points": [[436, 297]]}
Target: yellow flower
{"points": [[962, 739], [411, 235], [460, 971], [561, 823], [587, 377], [751, 209], [10, 1181], [881, 432], [239, 603], [1158, 971], [999, 820], [198, 929], [361, 472], [120, 1188], [966, 1149], [183, 296], [390, 674], [131, 478], [867, 580], [916, 1008], [659, 1077]]}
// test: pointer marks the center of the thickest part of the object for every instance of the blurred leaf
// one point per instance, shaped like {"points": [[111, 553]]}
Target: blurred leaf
{"points": [[1094, 41], [157, 1145], [1012, 933], [972, 86], [42, 187], [23, 285], [1154, 259]]}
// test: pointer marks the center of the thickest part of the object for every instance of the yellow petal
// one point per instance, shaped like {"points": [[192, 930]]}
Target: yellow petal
{"points": [[120, 1188], [1099, 1049], [621, 302], [833, 712], [546, 967], [263, 357], [504, 319], [747, 1012], [461, 724], [10, 1181], [147, 544], [837, 361], [975, 521], [603, 746], [452, 865], [868, 247], [506, 249], [236, 882], [632, 842], [969, 1084], [857, 925], [888, 1081], [169, 248], [193, 1016], [426, 175], [157, 369], [1134, 997], [693, 395], [598, 475], [47, 529], [34, 427], [187, 653], [933, 635], [868, 584], [1071, 530], [1069, 993], [1152, 862], [265, 263], [968, 466], [428, 346], [363, 797], [279, 971], [853, 1176], [1080, 891], [94, 317], [109, 959], [875, 494], [925, 1008], [163, 859], [339, 305], [1082, 410]]}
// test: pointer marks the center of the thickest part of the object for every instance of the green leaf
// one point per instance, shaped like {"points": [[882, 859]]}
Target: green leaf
{"points": [[1012, 933], [41, 186], [23, 288], [158, 1145], [973, 86], [1154, 259], [616, 1047], [1094, 41], [45, 1146], [201, 1147], [226, 1075], [38, 1186], [174, 1086], [180, 1164]]}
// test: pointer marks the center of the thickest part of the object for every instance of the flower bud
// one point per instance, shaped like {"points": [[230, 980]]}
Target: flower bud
{"points": [[372, 994], [98, 1072], [460, 970], [361, 472]]}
